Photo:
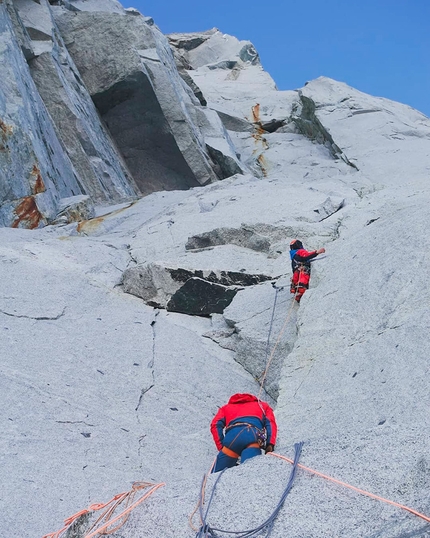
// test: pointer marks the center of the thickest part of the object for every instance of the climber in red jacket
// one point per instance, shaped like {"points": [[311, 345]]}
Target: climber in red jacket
{"points": [[301, 266], [243, 427]]}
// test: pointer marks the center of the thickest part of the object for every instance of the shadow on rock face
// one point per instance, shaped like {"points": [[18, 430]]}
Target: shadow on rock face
{"points": [[139, 127], [200, 297]]}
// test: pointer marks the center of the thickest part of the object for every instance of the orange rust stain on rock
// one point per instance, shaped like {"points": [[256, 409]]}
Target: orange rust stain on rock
{"points": [[258, 135], [38, 185], [262, 162], [256, 113], [27, 214], [89, 226], [5, 130]]}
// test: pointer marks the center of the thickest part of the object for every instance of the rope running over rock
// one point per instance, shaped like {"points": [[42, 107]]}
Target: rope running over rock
{"points": [[126, 497], [206, 531], [281, 332], [362, 491]]}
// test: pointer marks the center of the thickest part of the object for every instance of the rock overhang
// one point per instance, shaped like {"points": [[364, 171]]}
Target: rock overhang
{"points": [[188, 291]]}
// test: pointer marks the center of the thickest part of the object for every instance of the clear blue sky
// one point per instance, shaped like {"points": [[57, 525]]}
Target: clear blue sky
{"points": [[381, 47]]}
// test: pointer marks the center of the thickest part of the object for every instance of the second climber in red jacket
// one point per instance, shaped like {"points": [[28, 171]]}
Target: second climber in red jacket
{"points": [[301, 266], [242, 428]]}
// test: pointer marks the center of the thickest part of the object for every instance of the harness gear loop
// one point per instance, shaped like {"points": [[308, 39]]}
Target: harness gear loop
{"points": [[260, 433]]}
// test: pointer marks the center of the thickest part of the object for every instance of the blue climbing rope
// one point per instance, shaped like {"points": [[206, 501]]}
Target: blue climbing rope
{"points": [[206, 531]]}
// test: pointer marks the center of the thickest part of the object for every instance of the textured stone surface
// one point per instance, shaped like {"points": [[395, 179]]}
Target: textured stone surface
{"points": [[110, 6], [87, 143], [200, 297], [98, 389], [34, 171], [75, 209], [260, 238], [36, 168], [132, 78]]}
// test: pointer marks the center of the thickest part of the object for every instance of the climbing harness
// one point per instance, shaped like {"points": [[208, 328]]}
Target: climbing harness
{"points": [[206, 530], [260, 438], [260, 433], [344, 484], [105, 519]]}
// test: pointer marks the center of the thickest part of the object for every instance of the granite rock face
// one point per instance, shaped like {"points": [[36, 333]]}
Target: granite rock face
{"points": [[100, 388], [34, 173], [131, 75], [113, 111], [63, 148], [86, 141]]}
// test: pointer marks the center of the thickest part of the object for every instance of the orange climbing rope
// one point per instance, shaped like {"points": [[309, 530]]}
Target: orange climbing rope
{"points": [[110, 506], [358, 490], [201, 500]]}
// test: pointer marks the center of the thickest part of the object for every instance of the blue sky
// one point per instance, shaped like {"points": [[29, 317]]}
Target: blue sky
{"points": [[381, 47]]}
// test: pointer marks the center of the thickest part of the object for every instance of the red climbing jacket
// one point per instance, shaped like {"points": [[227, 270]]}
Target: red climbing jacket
{"points": [[301, 266], [302, 257], [241, 407]]}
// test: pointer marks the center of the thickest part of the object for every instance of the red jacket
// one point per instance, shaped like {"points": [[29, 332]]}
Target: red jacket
{"points": [[302, 257], [241, 406]]}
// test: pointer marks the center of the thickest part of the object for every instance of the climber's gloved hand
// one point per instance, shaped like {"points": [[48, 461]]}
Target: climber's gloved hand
{"points": [[269, 448]]}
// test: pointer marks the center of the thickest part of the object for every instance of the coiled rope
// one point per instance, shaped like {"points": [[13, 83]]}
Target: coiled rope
{"points": [[206, 531], [105, 519]]}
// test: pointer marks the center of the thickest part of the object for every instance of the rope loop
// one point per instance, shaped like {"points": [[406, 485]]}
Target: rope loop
{"points": [[107, 516]]}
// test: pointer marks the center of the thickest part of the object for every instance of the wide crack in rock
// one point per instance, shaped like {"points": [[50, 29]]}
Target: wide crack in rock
{"points": [[188, 291], [259, 326]]}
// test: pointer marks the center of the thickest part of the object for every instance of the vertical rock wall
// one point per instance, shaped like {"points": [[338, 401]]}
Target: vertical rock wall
{"points": [[77, 123], [130, 72], [34, 170], [102, 112]]}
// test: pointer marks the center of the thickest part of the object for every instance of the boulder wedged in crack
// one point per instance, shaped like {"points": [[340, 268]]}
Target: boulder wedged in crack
{"points": [[189, 291], [200, 297], [243, 237]]}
